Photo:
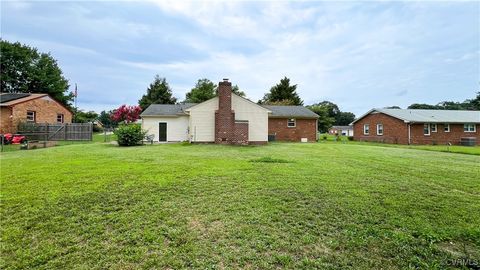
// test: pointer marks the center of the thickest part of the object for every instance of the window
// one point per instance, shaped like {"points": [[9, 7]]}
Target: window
{"points": [[469, 128], [366, 129], [426, 129], [291, 123], [446, 127], [31, 116], [60, 118], [433, 127], [379, 129]]}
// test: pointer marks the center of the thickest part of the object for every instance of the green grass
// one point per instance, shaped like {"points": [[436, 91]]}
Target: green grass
{"points": [[96, 138], [475, 150], [173, 206]]}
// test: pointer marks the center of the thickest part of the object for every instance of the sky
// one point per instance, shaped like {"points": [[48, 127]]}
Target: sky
{"points": [[359, 55]]}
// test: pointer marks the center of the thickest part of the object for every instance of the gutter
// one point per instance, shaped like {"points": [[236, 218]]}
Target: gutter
{"points": [[409, 134]]}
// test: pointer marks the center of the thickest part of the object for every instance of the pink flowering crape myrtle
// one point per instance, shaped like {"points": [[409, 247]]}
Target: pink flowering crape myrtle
{"points": [[127, 114]]}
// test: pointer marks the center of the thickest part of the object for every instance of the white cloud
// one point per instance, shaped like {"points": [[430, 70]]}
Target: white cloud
{"points": [[360, 54]]}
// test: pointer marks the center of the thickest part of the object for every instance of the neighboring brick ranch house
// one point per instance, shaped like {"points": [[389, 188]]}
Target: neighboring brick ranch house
{"points": [[341, 130], [229, 119], [417, 126], [35, 108]]}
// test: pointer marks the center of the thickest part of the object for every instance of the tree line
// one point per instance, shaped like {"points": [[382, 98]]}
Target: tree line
{"points": [[283, 93], [23, 69]]}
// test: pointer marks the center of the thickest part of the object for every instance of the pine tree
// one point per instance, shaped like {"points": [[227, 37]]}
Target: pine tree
{"points": [[158, 92], [282, 93]]}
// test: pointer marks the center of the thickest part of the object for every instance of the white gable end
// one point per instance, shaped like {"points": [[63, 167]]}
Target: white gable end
{"points": [[256, 115], [202, 121]]}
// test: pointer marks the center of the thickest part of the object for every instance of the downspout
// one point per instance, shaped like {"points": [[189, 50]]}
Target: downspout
{"points": [[409, 135]]}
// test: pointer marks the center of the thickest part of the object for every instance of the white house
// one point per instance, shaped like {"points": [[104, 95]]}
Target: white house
{"points": [[228, 119]]}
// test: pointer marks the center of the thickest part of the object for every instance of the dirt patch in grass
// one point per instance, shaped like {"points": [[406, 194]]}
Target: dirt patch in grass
{"points": [[270, 160]]}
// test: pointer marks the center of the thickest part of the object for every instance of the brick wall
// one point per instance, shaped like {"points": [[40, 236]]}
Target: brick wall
{"points": [[5, 120], [241, 133], [227, 130], [442, 137], [46, 110], [396, 131], [304, 128]]}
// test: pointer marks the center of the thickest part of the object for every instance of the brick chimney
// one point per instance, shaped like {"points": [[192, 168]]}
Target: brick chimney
{"points": [[224, 117], [227, 129], [225, 96]]}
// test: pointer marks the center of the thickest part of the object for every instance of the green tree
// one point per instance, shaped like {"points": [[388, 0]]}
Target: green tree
{"points": [[106, 119], [474, 104], [331, 108], [84, 117], [24, 70], [158, 92], [284, 93], [204, 90], [236, 90], [325, 121], [344, 118], [392, 107]]}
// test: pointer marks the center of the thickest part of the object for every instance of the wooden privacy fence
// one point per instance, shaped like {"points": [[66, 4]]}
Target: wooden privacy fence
{"points": [[57, 132]]}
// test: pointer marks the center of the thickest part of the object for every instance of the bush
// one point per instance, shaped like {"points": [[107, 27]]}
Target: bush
{"points": [[129, 134], [350, 138]]}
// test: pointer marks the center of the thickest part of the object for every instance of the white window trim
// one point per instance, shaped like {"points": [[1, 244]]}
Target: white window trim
{"points": [[62, 117], [34, 116], [294, 122], [378, 133], [428, 126], [447, 126], [365, 129], [468, 128], [431, 127]]}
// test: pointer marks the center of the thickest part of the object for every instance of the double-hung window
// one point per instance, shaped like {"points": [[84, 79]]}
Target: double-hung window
{"points": [[446, 127], [366, 129], [433, 127], [60, 118], [31, 116], [469, 128], [291, 122], [426, 129], [379, 129]]}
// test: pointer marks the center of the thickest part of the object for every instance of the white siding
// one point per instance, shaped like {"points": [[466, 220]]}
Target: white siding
{"points": [[202, 121], [177, 127], [257, 118]]}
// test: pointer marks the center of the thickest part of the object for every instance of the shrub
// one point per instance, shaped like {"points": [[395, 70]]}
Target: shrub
{"points": [[129, 134], [350, 138]]}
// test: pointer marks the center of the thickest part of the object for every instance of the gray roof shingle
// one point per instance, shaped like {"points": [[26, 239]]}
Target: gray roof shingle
{"points": [[290, 111], [430, 116], [12, 96], [277, 111], [167, 109]]}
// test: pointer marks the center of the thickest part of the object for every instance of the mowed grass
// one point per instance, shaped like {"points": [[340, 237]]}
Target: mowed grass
{"points": [[302, 206]]}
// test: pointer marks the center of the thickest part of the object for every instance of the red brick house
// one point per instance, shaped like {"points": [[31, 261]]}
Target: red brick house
{"points": [[229, 119], [417, 126], [36, 108]]}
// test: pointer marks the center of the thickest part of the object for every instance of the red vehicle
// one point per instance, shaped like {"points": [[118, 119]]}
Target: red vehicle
{"points": [[9, 138]]}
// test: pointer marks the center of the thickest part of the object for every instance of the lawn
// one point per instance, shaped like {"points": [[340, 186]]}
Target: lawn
{"points": [[302, 206]]}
